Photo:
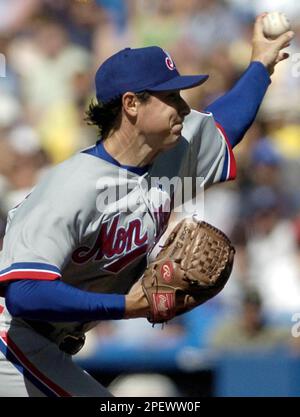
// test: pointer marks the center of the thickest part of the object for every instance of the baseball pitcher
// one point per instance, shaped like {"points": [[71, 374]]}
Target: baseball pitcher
{"points": [[76, 250]]}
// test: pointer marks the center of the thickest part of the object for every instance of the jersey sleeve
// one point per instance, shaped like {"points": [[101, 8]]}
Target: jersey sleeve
{"points": [[211, 157], [43, 231], [237, 109]]}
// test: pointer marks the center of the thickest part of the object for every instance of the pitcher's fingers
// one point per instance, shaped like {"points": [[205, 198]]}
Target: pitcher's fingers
{"points": [[282, 56], [284, 39], [258, 25]]}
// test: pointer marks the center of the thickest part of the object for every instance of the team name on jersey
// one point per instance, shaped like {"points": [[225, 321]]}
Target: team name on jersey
{"points": [[113, 240]]}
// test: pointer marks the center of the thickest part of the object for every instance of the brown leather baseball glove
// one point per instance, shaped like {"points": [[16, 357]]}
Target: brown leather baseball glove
{"points": [[192, 267]]}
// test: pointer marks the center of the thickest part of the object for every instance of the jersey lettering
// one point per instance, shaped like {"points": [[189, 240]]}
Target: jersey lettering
{"points": [[112, 241]]}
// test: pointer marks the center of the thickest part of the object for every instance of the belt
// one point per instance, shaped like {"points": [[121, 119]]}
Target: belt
{"points": [[70, 344]]}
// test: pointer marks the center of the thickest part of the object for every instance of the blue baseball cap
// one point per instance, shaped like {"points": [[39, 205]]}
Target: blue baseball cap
{"points": [[142, 69]]}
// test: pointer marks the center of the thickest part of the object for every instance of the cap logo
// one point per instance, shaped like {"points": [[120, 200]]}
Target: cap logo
{"points": [[169, 62]]}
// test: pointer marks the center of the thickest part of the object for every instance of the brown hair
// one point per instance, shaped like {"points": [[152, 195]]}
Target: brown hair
{"points": [[107, 116]]}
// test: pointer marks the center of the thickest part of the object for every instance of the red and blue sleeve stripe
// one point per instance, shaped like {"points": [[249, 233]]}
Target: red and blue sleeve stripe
{"points": [[29, 270], [229, 167]]}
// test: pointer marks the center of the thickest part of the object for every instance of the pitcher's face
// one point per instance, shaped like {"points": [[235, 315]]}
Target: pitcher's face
{"points": [[160, 119]]}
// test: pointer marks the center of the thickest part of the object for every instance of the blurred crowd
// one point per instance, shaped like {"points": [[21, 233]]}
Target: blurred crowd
{"points": [[51, 49]]}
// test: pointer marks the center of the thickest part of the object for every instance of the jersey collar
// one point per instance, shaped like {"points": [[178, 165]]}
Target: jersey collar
{"points": [[99, 151]]}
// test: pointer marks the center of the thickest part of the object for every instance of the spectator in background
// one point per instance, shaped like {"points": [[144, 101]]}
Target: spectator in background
{"points": [[118, 11], [53, 71], [27, 163], [211, 23], [249, 329], [265, 163], [81, 18], [16, 12], [271, 250], [49, 66], [267, 167]]}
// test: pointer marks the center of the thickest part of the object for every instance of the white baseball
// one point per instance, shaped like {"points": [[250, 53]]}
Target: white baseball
{"points": [[275, 24]]}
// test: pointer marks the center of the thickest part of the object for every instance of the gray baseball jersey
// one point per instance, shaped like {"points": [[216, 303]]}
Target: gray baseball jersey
{"points": [[93, 224]]}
